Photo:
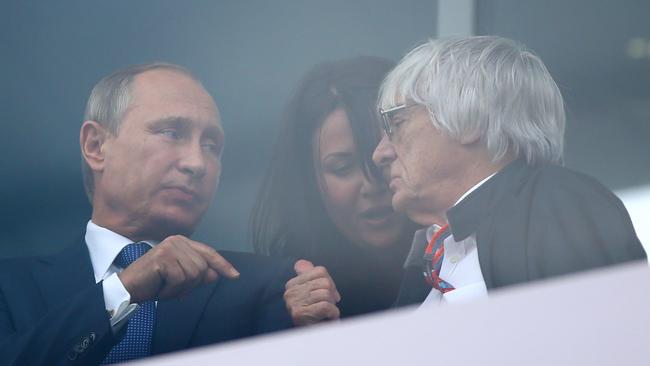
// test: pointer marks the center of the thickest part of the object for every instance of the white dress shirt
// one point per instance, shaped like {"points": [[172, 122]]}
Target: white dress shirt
{"points": [[104, 246], [460, 266]]}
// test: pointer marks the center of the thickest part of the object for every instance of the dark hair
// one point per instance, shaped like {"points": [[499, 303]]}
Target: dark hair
{"points": [[288, 217]]}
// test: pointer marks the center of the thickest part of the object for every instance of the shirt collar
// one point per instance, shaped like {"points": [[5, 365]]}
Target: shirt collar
{"points": [[431, 230], [474, 188], [104, 245], [466, 215]]}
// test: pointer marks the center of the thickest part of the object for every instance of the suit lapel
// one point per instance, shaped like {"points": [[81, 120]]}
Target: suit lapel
{"points": [[475, 214], [64, 274], [413, 289], [176, 320]]}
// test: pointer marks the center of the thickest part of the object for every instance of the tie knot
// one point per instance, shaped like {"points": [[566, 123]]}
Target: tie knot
{"points": [[438, 239], [131, 253]]}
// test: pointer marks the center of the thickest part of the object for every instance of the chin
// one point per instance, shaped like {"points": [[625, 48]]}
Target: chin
{"points": [[399, 203], [382, 243], [413, 207], [168, 225], [388, 237]]}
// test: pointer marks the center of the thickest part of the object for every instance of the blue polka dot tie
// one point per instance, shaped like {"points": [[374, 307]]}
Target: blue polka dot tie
{"points": [[139, 332]]}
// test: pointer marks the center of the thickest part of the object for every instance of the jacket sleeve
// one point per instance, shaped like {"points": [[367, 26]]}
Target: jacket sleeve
{"points": [[272, 314], [578, 225], [76, 332]]}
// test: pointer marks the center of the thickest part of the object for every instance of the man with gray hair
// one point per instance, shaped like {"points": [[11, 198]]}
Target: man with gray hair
{"points": [[474, 132], [135, 284]]}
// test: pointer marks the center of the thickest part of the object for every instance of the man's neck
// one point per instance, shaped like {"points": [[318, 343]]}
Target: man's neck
{"points": [[478, 176], [115, 227], [473, 176], [108, 218], [479, 171], [448, 192], [135, 229]]}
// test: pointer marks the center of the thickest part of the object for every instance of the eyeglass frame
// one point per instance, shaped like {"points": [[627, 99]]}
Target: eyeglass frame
{"points": [[387, 114]]}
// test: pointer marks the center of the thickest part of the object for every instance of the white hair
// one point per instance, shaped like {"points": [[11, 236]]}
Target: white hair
{"points": [[110, 99], [488, 89]]}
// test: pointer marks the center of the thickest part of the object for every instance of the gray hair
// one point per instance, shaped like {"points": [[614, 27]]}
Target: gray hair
{"points": [[110, 99], [487, 89]]}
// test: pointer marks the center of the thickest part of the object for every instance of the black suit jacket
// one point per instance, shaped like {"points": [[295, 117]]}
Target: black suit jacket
{"points": [[535, 222], [53, 313]]}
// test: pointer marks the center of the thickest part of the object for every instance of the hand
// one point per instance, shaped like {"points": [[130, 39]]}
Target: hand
{"points": [[173, 268], [311, 296]]}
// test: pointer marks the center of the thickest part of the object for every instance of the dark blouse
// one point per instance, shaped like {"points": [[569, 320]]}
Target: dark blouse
{"points": [[368, 279]]}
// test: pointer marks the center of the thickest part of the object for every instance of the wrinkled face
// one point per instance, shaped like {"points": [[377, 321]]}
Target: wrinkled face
{"points": [[162, 168], [424, 166], [359, 208]]}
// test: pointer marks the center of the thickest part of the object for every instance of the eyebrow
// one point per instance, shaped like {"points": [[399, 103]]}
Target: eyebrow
{"points": [[173, 121], [338, 154], [214, 132], [402, 112]]}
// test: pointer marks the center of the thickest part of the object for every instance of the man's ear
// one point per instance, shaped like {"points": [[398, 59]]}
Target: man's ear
{"points": [[92, 139], [469, 139]]}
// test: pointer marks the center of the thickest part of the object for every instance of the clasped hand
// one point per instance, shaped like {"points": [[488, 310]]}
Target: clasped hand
{"points": [[311, 296]]}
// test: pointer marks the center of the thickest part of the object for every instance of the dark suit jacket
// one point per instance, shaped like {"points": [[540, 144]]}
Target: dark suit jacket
{"points": [[53, 313], [535, 222]]}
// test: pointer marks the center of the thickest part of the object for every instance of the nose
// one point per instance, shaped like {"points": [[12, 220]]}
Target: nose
{"points": [[193, 161], [373, 187], [384, 153]]}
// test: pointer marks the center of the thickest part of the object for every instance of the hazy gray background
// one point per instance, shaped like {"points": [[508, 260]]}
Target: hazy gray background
{"points": [[250, 54]]}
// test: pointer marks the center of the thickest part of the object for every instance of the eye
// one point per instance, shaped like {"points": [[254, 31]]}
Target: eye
{"points": [[212, 147], [343, 170], [171, 133], [340, 167], [398, 119]]}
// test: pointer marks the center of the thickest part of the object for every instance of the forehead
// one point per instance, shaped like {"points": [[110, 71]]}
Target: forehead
{"points": [[387, 103], [159, 94], [335, 133]]}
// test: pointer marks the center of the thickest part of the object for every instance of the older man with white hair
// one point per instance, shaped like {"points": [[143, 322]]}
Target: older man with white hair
{"points": [[473, 149]]}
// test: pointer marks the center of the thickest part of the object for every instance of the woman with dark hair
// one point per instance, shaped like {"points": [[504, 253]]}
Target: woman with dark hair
{"points": [[323, 199]]}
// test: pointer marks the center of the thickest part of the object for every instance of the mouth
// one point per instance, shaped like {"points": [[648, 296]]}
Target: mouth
{"points": [[394, 180], [183, 193], [378, 215]]}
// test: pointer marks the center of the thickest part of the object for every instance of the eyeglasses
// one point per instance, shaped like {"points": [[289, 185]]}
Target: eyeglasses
{"points": [[387, 116]]}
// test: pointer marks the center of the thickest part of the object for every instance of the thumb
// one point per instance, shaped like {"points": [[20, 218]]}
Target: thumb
{"points": [[302, 266]]}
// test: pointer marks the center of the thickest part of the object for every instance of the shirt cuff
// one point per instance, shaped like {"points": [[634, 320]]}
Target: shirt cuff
{"points": [[467, 293], [118, 302], [433, 299], [114, 294]]}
